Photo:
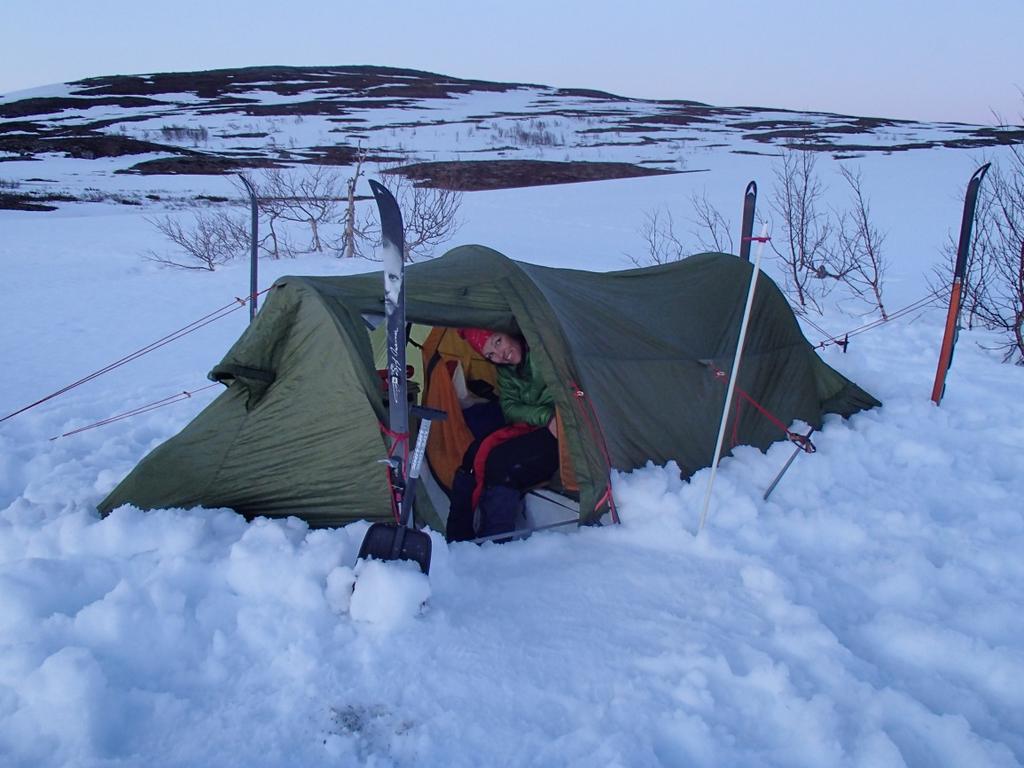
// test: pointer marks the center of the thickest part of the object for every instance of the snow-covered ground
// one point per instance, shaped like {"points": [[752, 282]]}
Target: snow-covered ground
{"points": [[870, 613]]}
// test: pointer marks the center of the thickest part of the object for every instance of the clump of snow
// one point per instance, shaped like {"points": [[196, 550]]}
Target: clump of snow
{"points": [[388, 593]]}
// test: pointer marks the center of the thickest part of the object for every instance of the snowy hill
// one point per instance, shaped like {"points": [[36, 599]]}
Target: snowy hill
{"points": [[221, 121], [869, 613]]}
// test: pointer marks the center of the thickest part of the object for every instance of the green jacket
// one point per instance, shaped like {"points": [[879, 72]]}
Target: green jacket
{"points": [[524, 397]]}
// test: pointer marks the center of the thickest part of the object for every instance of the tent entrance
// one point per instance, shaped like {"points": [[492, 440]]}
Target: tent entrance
{"points": [[452, 377]]}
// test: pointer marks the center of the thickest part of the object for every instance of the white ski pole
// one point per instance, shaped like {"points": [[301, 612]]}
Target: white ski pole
{"points": [[735, 372]]}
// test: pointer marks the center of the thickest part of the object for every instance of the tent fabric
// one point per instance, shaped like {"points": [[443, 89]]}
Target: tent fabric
{"points": [[306, 444], [629, 356]]}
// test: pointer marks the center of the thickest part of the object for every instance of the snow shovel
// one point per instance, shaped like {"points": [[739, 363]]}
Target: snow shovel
{"points": [[388, 541]]}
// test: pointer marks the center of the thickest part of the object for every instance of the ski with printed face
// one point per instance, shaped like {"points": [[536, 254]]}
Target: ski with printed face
{"points": [[392, 247], [956, 293], [399, 540]]}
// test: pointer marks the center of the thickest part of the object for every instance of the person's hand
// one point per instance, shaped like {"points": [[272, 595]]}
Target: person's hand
{"points": [[553, 427]]}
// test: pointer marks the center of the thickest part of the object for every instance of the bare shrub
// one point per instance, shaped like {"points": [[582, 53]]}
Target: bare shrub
{"points": [[713, 230], [534, 133], [310, 197], [802, 245], [857, 258], [710, 231], [818, 252], [996, 271], [992, 293], [819, 248], [215, 238], [658, 234], [197, 135]]}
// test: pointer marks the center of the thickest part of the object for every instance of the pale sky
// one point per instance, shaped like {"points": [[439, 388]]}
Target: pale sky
{"points": [[916, 59]]}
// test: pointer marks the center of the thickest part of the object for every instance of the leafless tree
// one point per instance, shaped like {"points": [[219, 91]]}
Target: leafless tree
{"points": [[993, 287], [215, 238], [356, 230], [303, 195], [997, 271], [802, 244], [432, 219], [306, 196], [658, 233], [713, 230], [857, 258]]}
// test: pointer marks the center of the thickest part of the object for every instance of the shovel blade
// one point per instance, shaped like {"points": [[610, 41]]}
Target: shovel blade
{"points": [[387, 541]]}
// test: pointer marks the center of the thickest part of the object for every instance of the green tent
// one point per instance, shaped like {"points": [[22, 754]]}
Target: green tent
{"points": [[630, 357]]}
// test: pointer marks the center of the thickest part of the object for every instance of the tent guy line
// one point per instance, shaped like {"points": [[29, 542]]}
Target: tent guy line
{"points": [[195, 325], [169, 400]]}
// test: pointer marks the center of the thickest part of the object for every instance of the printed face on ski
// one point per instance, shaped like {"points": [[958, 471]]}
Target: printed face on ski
{"points": [[502, 349], [392, 258], [392, 289]]}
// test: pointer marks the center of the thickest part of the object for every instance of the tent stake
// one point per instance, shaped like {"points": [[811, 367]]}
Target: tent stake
{"points": [[735, 372], [798, 450]]}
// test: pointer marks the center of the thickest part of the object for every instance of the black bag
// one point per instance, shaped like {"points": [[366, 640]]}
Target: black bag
{"points": [[460, 514], [499, 508], [484, 418]]}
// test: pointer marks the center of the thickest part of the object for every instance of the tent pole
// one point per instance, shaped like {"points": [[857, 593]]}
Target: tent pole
{"points": [[735, 372], [254, 248]]}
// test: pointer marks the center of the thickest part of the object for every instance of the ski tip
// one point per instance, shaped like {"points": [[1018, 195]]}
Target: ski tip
{"points": [[377, 188], [385, 200]]}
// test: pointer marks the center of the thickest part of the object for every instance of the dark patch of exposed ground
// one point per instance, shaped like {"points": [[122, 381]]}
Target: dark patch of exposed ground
{"points": [[477, 175], [36, 107], [353, 82], [19, 202], [83, 145], [196, 164]]}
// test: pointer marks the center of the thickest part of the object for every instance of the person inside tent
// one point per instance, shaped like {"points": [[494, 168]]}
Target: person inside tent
{"points": [[498, 469]]}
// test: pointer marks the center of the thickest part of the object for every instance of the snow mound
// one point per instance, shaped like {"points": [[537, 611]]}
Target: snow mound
{"points": [[388, 594]]}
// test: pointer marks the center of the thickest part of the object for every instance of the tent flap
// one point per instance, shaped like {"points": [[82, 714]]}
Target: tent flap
{"points": [[255, 381]]}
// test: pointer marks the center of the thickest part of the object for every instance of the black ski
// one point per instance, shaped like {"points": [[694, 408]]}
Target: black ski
{"points": [[747, 229], [956, 293]]}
